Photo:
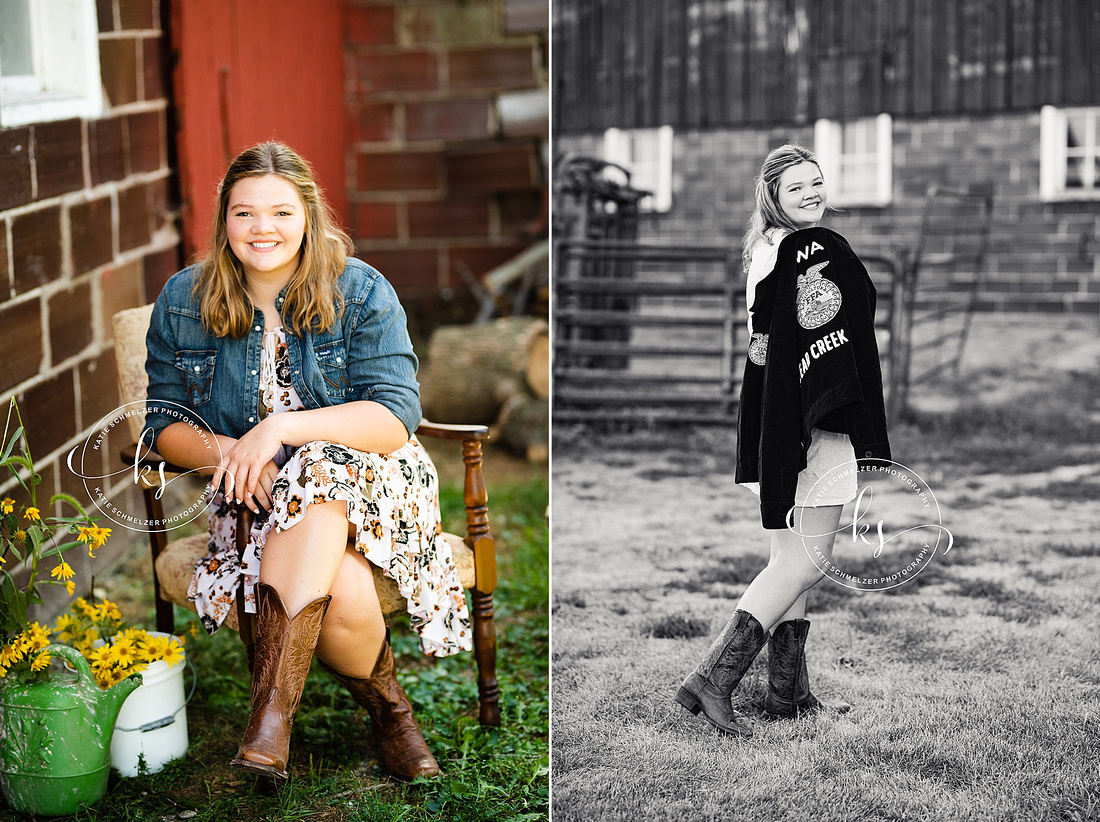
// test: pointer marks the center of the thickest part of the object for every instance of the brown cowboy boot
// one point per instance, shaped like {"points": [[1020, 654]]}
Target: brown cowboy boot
{"points": [[284, 650], [789, 693], [405, 754], [709, 687]]}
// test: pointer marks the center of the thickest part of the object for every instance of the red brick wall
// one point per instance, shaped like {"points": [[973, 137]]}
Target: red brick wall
{"points": [[440, 176], [1042, 256], [86, 229]]}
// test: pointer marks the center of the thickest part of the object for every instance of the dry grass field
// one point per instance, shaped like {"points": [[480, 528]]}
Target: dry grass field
{"points": [[976, 686]]}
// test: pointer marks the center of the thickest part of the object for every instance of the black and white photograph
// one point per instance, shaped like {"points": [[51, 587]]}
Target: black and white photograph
{"points": [[826, 410]]}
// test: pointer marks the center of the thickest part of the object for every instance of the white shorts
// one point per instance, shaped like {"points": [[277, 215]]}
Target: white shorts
{"points": [[831, 475]]}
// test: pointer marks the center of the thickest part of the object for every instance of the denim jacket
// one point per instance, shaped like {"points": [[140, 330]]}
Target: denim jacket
{"points": [[214, 381]]}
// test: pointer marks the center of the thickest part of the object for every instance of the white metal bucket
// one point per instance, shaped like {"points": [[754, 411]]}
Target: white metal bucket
{"points": [[153, 721]]}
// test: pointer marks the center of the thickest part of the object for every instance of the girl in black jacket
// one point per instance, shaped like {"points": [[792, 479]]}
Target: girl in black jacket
{"points": [[790, 196]]}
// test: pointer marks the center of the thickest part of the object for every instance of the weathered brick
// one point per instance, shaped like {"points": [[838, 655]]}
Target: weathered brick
{"points": [[524, 113], [36, 248], [133, 217], [405, 266], [370, 25], [398, 171], [135, 14], [467, 22], [492, 68], [20, 342], [154, 67], [118, 70], [146, 138], [15, 167], [447, 120], [59, 157], [157, 268], [5, 291], [105, 15], [519, 209], [480, 258], [92, 234], [457, 218], [120, 288], [49, 409], [526, 16], [376, 220], [371, 122], [99, 393], [107, 150], [70, 321], [403, 71], [160, 203], [506, 168]]}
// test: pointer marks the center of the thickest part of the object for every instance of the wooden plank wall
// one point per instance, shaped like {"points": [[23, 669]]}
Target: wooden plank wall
{"points": [[722, 63]]}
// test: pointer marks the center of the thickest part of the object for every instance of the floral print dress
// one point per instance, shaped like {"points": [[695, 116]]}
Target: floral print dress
{"points": [[392, 499]]}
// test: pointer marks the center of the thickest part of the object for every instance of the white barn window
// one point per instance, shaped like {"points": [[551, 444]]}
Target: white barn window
{"points": [[1069, 153], [647, 154], [49, 61], [857, 159]]}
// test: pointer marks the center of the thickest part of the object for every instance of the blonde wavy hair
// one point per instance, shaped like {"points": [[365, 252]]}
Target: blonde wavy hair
{"points": [[768, 214], [313, 300]]}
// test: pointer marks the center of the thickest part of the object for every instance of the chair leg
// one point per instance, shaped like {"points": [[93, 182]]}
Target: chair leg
{"points": [[485, 652], [158, 541]]}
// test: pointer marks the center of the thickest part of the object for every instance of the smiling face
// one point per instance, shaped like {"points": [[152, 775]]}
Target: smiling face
{"points": [[802, 194], [266, 223]]}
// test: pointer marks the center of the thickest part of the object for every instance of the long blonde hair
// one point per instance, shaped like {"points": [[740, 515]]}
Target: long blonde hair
{"points": [[313, 299], [768, 214]]}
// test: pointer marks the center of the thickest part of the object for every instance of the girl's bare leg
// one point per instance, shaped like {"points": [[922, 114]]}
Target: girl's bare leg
{"points": [[779, 592]]}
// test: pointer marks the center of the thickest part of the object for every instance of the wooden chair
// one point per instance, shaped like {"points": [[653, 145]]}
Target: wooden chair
{"points": [[173, 562]]}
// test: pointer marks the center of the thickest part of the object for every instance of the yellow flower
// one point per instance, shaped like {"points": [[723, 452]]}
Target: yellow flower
{"points": [[100, 658], [62, 571], [41, 662], [20, 535], [123, 650], [99, 536], [70, 587], [174, 654], [110, 610], [32, 514], [7, 505]]}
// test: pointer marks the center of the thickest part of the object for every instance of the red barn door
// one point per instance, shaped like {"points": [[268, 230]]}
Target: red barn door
{"points": [[254, 70]]}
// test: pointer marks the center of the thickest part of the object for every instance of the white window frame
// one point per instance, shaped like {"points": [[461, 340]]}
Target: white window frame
{"points": [[66, 81], [1054, 153], [618, 148], [828, 139]]}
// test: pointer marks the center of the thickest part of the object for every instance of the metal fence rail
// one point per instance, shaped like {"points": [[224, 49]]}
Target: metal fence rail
{"points": [[645, 333]]}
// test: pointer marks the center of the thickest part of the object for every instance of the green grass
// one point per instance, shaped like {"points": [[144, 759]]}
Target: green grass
{"points": [[976, 687], [489, 773]]}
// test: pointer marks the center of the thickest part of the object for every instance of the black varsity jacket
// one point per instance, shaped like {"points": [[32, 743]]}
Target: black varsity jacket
{"points": [[813, 362]]}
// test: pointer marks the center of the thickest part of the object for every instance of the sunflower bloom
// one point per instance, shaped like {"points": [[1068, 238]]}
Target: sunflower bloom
{"points": [[7, 505], [41, 662], [20, 535], [62, 571], [32, 514], [173, 654], [70, 587]]}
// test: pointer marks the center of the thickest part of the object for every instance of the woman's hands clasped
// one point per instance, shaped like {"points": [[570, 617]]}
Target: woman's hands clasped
{"points": [[247, 466]]}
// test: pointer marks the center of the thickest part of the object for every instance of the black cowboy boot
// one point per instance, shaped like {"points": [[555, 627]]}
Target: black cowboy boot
{"points": [[709, 687], [788, 680]]}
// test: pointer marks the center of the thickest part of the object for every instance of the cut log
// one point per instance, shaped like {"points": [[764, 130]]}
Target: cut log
{"points": [[524, 426], [473, 369]]}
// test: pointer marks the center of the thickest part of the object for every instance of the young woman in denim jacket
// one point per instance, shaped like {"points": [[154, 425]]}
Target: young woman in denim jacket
{"points": [[279, 319], [790, 195]]}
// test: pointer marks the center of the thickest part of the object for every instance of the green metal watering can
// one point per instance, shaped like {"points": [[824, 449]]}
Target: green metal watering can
{"points": [[55, 738]]}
